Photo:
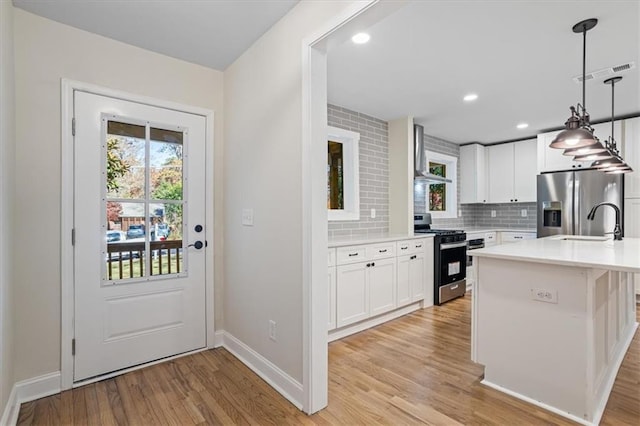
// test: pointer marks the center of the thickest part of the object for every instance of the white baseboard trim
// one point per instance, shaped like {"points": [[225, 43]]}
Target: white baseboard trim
{"points": [[538, 403], [11, 410], [29, 390], [286, 385], [218, 339], [358, 327]]}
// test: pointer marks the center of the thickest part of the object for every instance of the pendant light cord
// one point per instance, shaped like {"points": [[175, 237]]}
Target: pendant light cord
{"points": [[613, 84], [584, 67]]}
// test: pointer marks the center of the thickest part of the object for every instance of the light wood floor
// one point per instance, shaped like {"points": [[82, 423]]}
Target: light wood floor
{"points": [[414, 370]]}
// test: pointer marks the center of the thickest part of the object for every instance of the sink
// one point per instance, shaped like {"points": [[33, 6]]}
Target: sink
{"points": [[583, 238]]}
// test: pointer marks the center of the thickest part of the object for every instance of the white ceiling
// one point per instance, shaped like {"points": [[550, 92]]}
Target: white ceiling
{"points": [[518, 56], [212, 33]]}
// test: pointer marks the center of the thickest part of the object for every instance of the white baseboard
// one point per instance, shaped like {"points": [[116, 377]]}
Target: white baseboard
{"points": [[538, 403], [11, 410], [363, 325], [218, 339], [29, 390], [286, 385]]}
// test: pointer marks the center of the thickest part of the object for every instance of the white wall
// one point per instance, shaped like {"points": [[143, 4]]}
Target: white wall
{"points": [[7, 170], [263, 154], [45, 52]]}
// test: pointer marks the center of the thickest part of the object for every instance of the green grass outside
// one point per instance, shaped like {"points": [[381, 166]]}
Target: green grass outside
{"points": [[127, 264]]}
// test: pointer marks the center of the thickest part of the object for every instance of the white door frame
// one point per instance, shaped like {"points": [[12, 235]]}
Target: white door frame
{"points": [[359, 15], [66, 207]]}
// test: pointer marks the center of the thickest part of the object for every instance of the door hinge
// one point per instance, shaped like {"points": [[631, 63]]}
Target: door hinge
{"points": [[73, 347], [73, 237], [73, 126]]}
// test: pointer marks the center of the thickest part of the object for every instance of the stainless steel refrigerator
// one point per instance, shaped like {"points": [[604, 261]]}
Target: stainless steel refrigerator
{"points": [[565, 199]]}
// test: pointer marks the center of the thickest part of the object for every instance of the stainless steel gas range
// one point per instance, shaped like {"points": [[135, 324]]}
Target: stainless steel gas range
{"points": [[449, 259]]}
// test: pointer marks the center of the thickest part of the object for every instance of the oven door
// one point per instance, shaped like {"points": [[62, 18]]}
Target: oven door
{"points": [[453, 262]]}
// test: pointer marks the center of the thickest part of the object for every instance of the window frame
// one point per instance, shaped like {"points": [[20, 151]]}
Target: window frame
{"points": [[351, 173], [451, 188]]}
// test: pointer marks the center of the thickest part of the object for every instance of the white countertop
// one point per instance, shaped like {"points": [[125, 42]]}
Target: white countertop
{"points": [[341, 242], [473, 230], [608, 254]]}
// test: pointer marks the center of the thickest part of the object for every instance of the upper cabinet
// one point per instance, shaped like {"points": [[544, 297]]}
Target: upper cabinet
{"points": [[631, 154], [512, 172], [503, 173], [551, 159], [473, 178]]}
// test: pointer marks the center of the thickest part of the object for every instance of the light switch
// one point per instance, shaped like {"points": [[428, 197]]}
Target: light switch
{"points": [[373, 213], [523, 212], [247, 217], [493, 213]]}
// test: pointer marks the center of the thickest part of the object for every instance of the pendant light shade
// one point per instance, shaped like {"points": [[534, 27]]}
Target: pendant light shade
{"points": [[596, 148], [593, 157], [615, 160], [573, 138]]}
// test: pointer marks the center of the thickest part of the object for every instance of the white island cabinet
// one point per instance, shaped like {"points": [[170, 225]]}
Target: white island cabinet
{"points": [[552, 319]]}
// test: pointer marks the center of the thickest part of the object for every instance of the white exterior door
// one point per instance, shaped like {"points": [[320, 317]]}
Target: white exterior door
{"points": [[139, 252]]}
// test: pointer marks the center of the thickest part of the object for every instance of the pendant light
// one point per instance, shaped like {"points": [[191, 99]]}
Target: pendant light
{"points": [[615, 164], [578, 131]]}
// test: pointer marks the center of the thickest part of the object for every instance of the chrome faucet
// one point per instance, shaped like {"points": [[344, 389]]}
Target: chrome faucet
{"points": [[617, 232]]}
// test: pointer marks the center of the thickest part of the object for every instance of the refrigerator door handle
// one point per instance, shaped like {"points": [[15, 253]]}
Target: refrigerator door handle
{"points": [[577, 214]]}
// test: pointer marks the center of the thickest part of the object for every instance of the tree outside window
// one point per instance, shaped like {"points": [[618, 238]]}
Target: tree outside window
{"points": [[438, 191]]}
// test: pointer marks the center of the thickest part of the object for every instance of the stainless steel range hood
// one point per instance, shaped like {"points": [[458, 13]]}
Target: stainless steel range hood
{"points": [[421, 170]]}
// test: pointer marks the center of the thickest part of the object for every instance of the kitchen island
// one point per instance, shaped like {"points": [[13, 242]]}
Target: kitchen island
{"points": [[552, 319]]}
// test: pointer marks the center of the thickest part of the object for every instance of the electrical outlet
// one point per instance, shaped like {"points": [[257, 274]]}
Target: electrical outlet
{"points": [[493, 213], [523, 212], [272, 330], [542, 295], [247, 217], [373, 213]]}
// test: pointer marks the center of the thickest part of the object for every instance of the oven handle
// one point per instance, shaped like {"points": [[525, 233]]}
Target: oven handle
{"points": [[452, 245]]}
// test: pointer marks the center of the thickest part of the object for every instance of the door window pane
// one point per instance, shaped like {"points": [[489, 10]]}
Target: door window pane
{"points": [[126, 159], [335, 173], [144, 235], [438, 191]]}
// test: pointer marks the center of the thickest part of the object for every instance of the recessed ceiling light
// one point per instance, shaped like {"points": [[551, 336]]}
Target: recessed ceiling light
{"points": [[360, 38], [470, 97], [522, 125]]}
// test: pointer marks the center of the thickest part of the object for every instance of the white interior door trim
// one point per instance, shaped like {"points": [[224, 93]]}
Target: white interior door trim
{"points": [[358, 16], [66, 210]]}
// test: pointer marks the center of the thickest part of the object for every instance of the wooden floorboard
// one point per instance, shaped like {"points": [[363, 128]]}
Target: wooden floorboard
{"points": [[413, 370]]}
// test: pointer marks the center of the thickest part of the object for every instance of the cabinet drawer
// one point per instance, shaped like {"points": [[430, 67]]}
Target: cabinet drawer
{"points": [[490, 238], [514, 237], [382, 250], [332, 257], [352, 254]]}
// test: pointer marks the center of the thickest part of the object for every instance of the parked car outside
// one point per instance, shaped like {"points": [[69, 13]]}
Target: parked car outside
{"points": [[135, 231], [163, 231], [116, 236]]}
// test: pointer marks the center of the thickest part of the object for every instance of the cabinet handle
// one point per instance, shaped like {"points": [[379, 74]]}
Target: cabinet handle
{"points": [[403, 248], [368, 265], [382, 251], [353, 254], [413, 257], [373, 263], [517, 238], [418, 245]]}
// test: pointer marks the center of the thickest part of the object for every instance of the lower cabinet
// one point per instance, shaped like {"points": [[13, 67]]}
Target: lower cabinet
{"points": [[411, 278], [370, 280], [332, 297], [365, 289]]}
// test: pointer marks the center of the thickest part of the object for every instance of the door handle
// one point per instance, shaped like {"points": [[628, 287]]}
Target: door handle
{"points": [[198, 245]]}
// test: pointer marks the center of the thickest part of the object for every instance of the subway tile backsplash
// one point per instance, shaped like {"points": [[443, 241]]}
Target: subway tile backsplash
{"points": [[374, 173], [374, 184]]}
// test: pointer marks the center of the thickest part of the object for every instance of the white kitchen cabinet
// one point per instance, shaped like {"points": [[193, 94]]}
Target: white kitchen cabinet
{"points": [[514, 237], [473, 176], [524, 170], [332, 278], [501, 173], [382, 286], [632, 226], [411, 278], [352, 293], [512, 172], [631, 153]]}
